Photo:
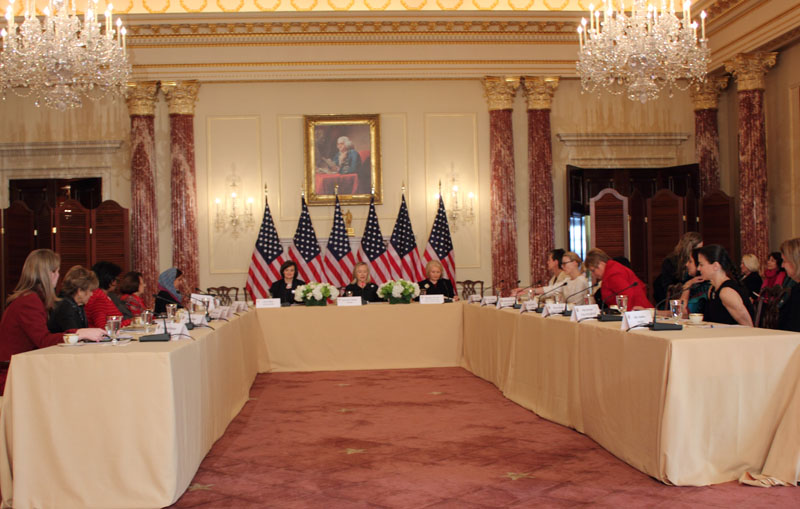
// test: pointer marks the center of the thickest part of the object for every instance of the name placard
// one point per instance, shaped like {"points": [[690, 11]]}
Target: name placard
{"points": [[489, 300], [554, 309], [633, 319], [529, 306], [431, 299], [268, 303], [348, 301], [474, 298], [239, 306], [506, 302], [580, 313], [208, 300]]}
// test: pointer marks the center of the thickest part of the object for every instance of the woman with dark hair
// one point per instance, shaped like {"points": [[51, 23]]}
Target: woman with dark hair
{"points": [[673, 268], [774, 275], [553, 262], [695, 290], [100, 306], [728, 302], [24, 324], [76, 288], [168, 283], [284, 288], [131, 288]]}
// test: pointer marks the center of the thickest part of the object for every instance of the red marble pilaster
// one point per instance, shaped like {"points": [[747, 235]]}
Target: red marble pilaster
{"points": [[144, 210], [185, 251], [706, 145], [541, 233], [500, 94]]}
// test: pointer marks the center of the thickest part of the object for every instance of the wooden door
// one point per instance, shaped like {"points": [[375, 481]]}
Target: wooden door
{"points": [[637, 223], [665, 226], [717, 222], [18, 241], [609, 218], [72, 238], [111, 240]]}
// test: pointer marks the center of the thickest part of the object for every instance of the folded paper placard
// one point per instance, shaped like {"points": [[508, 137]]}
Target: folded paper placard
{"points": [[348, 301], [474, 298], [554, 309], [489, 300], [431, 299], [268, 303], [529, 306], [580, 313], [506, 302], [633, 319]]}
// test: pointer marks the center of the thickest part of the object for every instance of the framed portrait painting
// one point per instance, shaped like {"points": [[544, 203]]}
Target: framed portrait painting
{"points": [[342, 155]]}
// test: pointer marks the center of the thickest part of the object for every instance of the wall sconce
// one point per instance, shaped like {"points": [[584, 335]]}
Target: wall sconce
{"points": [[460, 206], [233, 212]]}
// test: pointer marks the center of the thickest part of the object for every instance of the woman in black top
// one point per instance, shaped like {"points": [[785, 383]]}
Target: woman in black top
{"points": [[284, 288], [673, 268], [750, 280], [727, 300], [77, 287], [361, 286], [435, 284], [789, 318]]}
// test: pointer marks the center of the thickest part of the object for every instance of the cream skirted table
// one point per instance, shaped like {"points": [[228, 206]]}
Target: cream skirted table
{"points": [[692, 407]]}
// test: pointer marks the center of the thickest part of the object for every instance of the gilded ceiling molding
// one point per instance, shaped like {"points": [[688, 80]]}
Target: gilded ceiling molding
{"points": [[181, 96], [141, 97], [539, 91], [189, 9], [500, 91], [489, 7], [379, 7], [749, 69], [705, 95], [520, 8], [413, 7], [550, 6], [155, 11], [269, 9], [228, 9], [452, 7], [345, 7]]}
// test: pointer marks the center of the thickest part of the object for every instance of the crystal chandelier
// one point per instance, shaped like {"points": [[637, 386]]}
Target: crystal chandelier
{"points": [[643, 51], [62, 58]]}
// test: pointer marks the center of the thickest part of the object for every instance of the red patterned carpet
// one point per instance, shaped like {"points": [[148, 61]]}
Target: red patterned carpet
{"points": [[418, 438]]}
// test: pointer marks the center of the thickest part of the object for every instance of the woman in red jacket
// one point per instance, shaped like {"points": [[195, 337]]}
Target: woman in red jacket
{"points": [[617, 280], [24, 324], [100, 305], [131, 288]]}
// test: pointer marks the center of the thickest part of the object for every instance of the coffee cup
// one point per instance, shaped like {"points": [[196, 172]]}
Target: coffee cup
{"points": [[71, 339], [696, 317]]}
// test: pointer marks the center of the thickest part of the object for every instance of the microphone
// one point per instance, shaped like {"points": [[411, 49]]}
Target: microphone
{"points": [[164, 336], [557, 287], [656, 325], [493, 288], [208, 317], [608, 317]]}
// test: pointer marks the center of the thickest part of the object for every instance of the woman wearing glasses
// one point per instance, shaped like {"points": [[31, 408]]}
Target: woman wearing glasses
{"points": [[577, 284]]}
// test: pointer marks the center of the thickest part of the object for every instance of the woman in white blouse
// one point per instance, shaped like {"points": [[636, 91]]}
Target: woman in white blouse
{"points": [[571, 264]]}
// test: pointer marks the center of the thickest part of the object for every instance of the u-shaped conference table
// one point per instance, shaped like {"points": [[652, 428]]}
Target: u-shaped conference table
{"points": [[127, 426]]}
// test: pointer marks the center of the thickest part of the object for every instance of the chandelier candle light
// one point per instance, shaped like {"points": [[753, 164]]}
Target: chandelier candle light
{"points": [[642, 51], [61, 59]]}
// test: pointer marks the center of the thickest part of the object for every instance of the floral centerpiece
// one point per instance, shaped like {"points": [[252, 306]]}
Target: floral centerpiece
{"points": [[315, 294], [398, 292]]}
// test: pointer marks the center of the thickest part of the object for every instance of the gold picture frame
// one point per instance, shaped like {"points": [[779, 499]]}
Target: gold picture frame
{"points": [[343, 151]]}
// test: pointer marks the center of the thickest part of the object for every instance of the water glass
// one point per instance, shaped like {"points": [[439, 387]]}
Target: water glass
{"points": [[622, 303], [557, 298], [171, 308], [147, 319], [112, 326], [675, 308]]}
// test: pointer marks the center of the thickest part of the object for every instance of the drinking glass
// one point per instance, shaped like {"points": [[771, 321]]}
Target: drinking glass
{"points": [[557, 298], [622, 303], [171, 308], [147, 319], [675, 308], [112, 326]]}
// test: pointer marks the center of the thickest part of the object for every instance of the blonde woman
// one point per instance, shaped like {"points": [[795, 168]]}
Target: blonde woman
{"points": [[24, 325], [790, 311], [750, 280], [435, 284], [572, 266], [361, 286]]}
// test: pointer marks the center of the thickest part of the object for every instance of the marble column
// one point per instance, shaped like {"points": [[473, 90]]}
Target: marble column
{"points": [[141, 99], [541, 235], [181, 98], [706, 131], [499, 92], [749, 71]]}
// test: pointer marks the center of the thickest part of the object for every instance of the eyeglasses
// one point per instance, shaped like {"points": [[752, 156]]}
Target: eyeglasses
{"points": [[564, 262]]}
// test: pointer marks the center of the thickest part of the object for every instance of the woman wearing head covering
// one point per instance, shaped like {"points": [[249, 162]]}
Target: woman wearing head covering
{"points": [[435, 284], [24, 324], [284, 288], [100, 305], [168, 283], [728, 302], [76, 288]]}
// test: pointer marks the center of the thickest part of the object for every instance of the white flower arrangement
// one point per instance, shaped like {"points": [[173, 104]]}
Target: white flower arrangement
{"points": [[400, 290], [315, 293]]}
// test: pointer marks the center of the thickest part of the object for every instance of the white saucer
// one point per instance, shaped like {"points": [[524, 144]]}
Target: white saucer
{"points": [[71, 344]]}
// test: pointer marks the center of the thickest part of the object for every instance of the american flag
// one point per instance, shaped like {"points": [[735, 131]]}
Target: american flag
{"points": [[373, 250], [339, 260], [406, 262], [267, 258], [305, 249], [440, 245]]}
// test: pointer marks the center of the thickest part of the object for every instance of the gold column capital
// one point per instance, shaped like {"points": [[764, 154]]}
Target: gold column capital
{"points": [[539, 91], [499, 91], [749, 69], [705, 95], [181, 96], [141, 97]]}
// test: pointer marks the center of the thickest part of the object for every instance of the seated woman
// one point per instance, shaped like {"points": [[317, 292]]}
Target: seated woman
{"points": [[284, 288], [571, 263], [695, 290], [553, 262], [774, 275], [24, 324], [76, 288], [131, 288], [361, 286], [617, 280], [789, 318], [435, 284], [673, 268], [750, 280], [168, 283], [100, 306], [728, 302]]}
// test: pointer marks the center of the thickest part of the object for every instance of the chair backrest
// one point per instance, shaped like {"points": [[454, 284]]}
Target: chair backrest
{"points": [[226, 294], [768, 308], [470, 287]]}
